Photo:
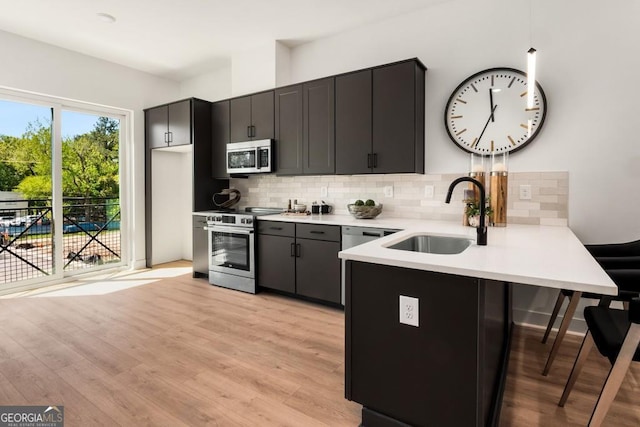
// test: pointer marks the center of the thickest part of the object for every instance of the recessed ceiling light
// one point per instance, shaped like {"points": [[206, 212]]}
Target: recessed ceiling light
{"points": [[105, 17]]}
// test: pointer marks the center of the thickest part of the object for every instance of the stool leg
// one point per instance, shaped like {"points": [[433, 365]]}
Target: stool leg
{"points": [[616, 375], [554, 316], [566, 320], [587, 345]]}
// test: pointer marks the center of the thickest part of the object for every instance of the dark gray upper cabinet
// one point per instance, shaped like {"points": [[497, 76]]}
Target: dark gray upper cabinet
{"points": [[262, 115], [398, 118], [318, 127], [353, 123], [380, 120], [252, 117], [289, 139], [168, 125], [157, 127], [219, 138], [305, 123]]}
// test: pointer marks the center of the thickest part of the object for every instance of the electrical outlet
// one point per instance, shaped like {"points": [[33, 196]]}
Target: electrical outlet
{"points": [[525, 192], [429, 191], [324, 191], [409, 311], [388, 191]]}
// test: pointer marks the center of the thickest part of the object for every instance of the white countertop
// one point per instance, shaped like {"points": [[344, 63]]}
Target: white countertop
{"points": [[548, 256], [205, 213], [346, 220]]}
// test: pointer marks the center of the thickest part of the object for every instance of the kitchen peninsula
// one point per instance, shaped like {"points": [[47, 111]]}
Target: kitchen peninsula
{"points": [[440, 359]]}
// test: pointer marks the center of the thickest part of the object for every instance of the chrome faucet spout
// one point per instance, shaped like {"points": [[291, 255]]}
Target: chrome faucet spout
{"points": [[482, 227]]}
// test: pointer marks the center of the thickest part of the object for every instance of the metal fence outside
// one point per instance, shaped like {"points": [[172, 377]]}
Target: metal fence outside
{"points": [[91, 237]]}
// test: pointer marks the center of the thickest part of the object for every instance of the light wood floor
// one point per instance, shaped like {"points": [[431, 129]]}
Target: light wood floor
{"points": [[181, 352]]}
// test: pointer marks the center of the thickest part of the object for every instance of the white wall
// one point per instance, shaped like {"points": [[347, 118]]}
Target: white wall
{"points": [[587, 65], [211, 86], [38, 67], [254, 70]]}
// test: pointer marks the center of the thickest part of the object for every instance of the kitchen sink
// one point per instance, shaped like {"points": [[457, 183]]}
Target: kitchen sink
{"points": [[442, 245]]}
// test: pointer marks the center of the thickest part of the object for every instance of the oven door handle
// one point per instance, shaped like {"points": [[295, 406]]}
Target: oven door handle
{"points": [[224, 229]]}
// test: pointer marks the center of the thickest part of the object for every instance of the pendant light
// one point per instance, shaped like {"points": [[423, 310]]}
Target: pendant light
{"points": [[531, 76], [531, 67]]}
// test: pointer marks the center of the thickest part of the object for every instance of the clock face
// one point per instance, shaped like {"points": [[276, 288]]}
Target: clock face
{"points": [[488, 112]]}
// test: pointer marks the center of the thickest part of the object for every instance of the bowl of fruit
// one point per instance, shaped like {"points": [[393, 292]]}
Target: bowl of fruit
{"points": [[364, 210]]}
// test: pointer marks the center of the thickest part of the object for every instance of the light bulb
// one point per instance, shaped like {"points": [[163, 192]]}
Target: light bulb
{"points": [[531, 76]]}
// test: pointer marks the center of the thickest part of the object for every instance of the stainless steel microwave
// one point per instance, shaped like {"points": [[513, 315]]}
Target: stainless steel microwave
{"points": [[250, 156]]}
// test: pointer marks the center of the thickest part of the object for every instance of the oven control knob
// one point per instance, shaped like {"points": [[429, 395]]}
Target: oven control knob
{"points": [[217, 218], [248, 220]]}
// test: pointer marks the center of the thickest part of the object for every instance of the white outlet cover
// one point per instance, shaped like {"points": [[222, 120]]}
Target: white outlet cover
{"points": [[388, 191], [525, 192], [409, 311], [429, 191], [324, 191]]}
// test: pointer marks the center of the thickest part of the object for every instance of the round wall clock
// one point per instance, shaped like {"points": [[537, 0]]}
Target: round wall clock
{"points": [[488, 112]]}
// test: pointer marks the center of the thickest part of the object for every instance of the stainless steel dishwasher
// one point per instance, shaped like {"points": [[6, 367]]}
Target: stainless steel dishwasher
{"points": [[354, 236]]}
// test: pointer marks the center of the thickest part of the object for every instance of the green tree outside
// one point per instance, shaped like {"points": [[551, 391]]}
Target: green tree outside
{"points": [[89, 162]]}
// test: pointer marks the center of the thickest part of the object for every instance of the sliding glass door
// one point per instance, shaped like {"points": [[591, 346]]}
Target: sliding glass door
{"points": [[60, 192], [91, 190], [26, 235]]}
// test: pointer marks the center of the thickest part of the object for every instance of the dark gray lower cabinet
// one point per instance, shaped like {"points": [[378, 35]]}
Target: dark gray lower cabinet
{"points": [[276, 263], [300, 259], [318, 270], [200, 247], [449, 370]]}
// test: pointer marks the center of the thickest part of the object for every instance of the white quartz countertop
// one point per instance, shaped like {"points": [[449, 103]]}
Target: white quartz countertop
{"points": [[548, 256], [205, 213], [346, 220]]}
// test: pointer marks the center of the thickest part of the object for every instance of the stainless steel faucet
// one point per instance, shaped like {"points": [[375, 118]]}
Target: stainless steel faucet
{"points": [[482, 227]]}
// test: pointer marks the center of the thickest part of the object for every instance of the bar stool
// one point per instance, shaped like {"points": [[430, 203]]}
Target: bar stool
{"points": [[616, 334], [611, 257]]}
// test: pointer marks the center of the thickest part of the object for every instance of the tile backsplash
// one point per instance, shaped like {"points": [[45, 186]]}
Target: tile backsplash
{"points": [[548, 204]]}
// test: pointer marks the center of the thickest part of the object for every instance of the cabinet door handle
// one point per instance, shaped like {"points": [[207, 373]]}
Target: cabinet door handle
{"points": [[253, 131], [375, 160], [369, 165], [316, 232], [166, 137], [371, 234], [248, 131], [170, 137], [275, 228], [298, 250], [293, 250]]}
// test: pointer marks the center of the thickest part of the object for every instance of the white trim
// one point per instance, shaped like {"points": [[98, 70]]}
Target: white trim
{"points": [[56, 190]]}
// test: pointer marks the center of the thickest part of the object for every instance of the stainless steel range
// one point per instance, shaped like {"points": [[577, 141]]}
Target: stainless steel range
{"points": [[232, 261]]}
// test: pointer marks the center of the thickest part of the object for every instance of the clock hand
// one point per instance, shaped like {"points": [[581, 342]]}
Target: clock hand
{"points": [[491, 102], [486, 124]]}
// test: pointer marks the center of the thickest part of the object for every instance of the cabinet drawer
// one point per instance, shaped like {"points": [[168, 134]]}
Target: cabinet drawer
{"points": [[276, 228], [329, 233]]}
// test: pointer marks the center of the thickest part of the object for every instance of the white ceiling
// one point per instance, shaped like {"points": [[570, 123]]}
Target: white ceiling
{"points": [[179, 39]]}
